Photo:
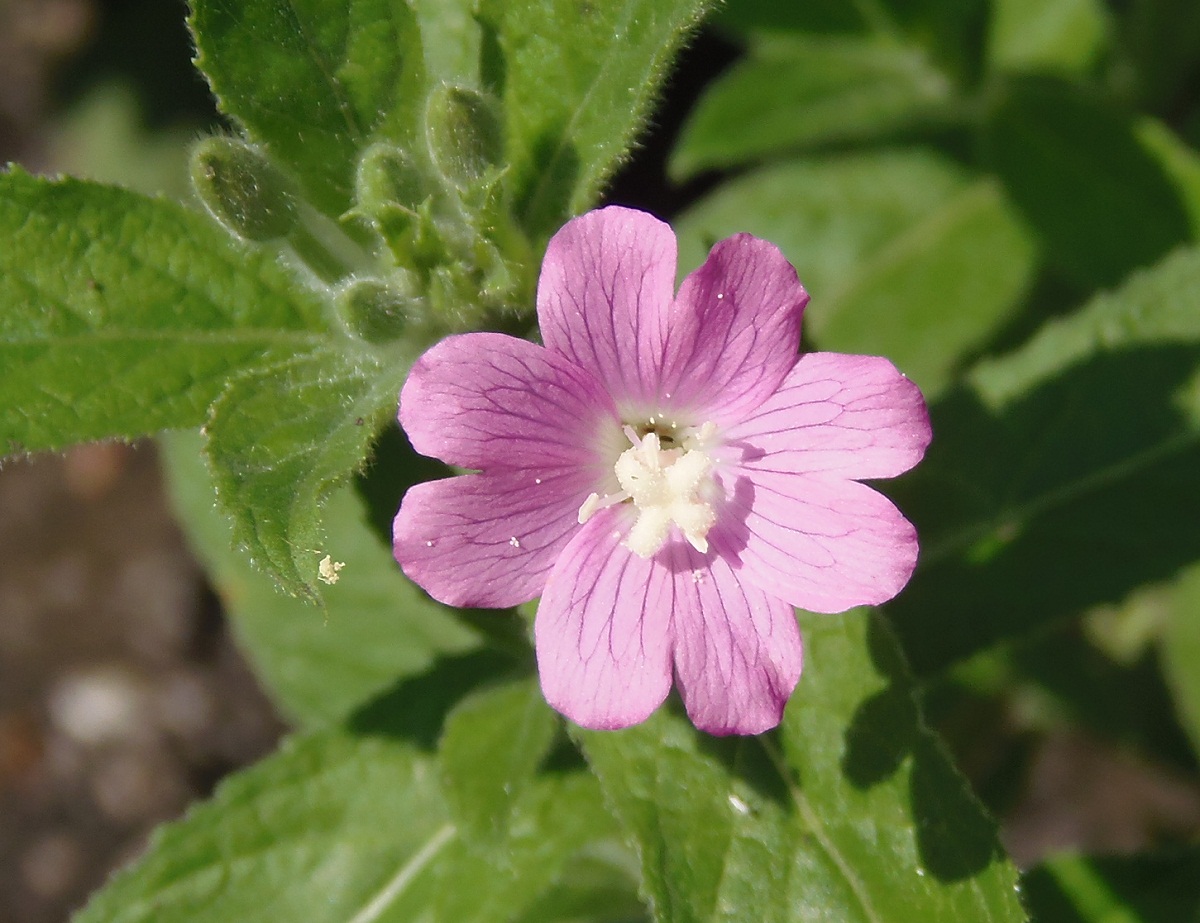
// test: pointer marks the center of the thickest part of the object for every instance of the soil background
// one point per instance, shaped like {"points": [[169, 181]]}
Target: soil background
{"points": [[122, 697]]}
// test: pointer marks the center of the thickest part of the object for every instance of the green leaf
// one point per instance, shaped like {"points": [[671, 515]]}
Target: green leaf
{"points": [[1061, 476], [936, 294], [335, 827], [853, 814], [317, 664], [1115, 889], [490, 751], [577, 82], [1179, 161], [351, 826], [103, 137], [1065, 36], [794, 94], [951, 31], [902, 255], [315, 80], [451, 40], [1181, 651], [1074, 165], [122, 315], [281, 438], [674, 804], [595, 887]]}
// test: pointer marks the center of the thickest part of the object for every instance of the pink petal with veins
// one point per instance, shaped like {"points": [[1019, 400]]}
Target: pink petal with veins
{"points": [[734, 331], [483, 400], [604, 298], [603, 630], [823, 544], [853, 416], [737, 648], [487, 539]]}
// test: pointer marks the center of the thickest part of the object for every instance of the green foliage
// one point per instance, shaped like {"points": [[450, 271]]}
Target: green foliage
{"points": [[315, 81], [1181, 650], [1064, 36], [394, 170], [853, 813], [1115, 889], [281, 438], [1075, 167], [243, 190], [1161, 39], [353, 825], [509, 729], [1067, 465], [576, 78], [318, 664], [124, 315], [793, 94]]}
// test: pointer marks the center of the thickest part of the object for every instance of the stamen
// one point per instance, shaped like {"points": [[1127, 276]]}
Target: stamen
{"points": [[668, 486], [594, 503]]}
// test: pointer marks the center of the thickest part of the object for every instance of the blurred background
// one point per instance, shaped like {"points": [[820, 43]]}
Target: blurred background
{"points": [[122, 695]]}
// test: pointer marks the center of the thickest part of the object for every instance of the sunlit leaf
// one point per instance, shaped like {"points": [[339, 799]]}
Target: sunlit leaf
{"points": [[1064, 36], [315, 80], [122, 315], [793, 94], [577, 79], [317, 663], [351, 826]]}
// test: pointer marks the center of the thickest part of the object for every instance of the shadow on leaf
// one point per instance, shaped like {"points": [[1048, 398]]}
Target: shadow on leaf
{"points": [[415, 709], [955, 837], [1071, 496]]}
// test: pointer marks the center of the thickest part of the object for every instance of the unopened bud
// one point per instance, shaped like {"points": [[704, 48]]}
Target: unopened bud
{"points": [[378, 312], [387, 176], [465, 135], [243, 189]]}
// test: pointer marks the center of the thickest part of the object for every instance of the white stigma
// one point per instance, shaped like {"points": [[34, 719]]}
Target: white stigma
{"points": [[666, 486]]}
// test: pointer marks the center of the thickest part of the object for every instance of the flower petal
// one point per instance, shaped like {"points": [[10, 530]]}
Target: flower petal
{"points": [[854, 416], [823, 544], [603, 629], [737, 649], [604, 296], [485, 399], [487, 539], [734, 333]]}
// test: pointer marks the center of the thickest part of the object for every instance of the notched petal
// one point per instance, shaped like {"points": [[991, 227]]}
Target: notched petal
{"points": [[852, 416], [735, 331], [604, 298], [603, 629], [737, 650]]}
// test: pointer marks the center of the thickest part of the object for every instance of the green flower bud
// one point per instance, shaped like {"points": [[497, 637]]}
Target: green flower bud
{"points": [[465, 136], [379, 312], [243, 189], [386, 177]]}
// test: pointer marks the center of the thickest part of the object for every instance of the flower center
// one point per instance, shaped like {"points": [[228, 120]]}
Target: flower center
{"points": [[668, 477]]}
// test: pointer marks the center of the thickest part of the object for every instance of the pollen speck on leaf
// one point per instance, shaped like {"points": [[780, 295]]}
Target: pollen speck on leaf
{"points": [[327, 570]]}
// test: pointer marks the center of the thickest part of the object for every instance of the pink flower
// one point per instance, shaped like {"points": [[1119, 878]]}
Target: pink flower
{"points": [[666, 472]]}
